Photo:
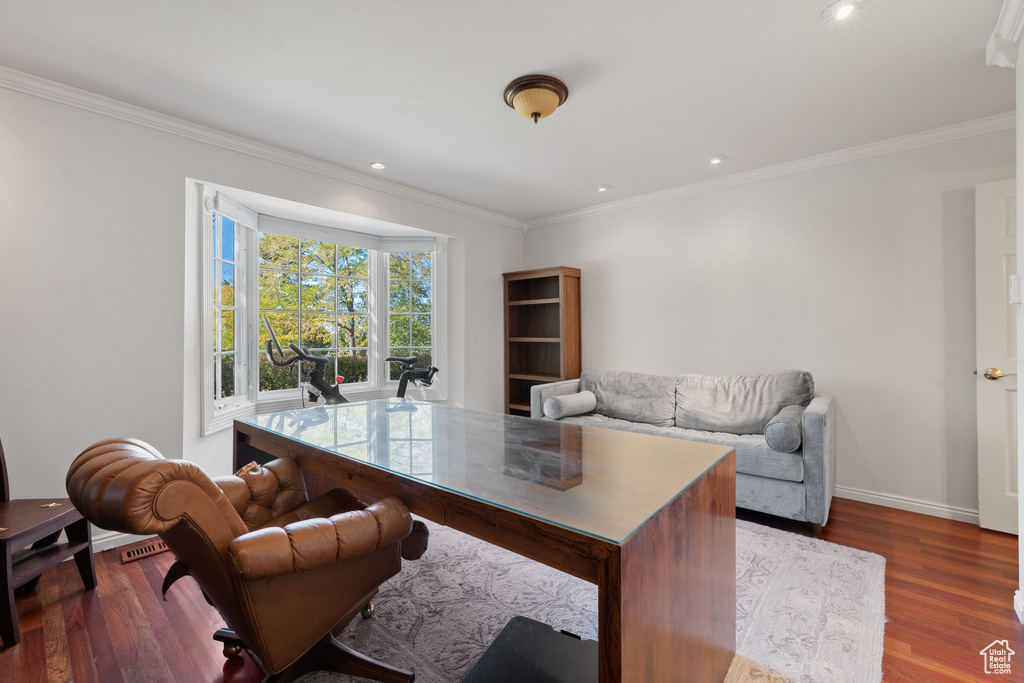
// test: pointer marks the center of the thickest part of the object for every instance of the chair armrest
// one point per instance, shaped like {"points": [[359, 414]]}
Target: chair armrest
{"points": [[819, 453], [541, 392], [313, 543]]}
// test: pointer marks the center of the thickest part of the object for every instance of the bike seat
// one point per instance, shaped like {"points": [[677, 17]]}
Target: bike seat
{"points": [[404, 360]]}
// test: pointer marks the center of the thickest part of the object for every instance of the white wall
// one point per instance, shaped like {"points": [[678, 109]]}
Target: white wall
{"points": [[97, 284], [861, 273]]}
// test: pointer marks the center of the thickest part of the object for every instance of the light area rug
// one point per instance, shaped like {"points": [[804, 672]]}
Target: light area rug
{"points": [[807, 611]]}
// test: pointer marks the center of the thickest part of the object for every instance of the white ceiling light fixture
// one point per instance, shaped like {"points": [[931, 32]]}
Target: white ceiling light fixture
{"points": [[378, 165], [603, 188], [838, 11], [717, 159]]}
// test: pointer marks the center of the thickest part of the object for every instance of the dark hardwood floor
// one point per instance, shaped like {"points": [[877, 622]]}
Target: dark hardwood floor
{"points": [[949, 589]]}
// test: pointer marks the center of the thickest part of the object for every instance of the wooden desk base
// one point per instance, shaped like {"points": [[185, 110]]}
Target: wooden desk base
{"points": [[666, 595]]}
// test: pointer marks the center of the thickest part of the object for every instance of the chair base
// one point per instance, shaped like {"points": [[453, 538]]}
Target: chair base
{"points": [[327, 655]]}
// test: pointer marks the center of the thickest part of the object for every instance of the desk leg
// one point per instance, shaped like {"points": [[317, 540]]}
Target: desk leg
{"points": [[667, 600]]}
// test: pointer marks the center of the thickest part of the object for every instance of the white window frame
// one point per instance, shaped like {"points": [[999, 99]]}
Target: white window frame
{"points": [[220, 414]]}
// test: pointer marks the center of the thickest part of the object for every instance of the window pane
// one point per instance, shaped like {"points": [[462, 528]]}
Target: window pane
{"points": [[399, 454], [399, 333], [421, 297], [317, 293], [227, 330], [227, 375], [273, 378], [398, 266], [352, 331], [422, 425], [352, 296], [317, 257], [400, 297], [286, 327], [279, 290], [318, 330], [353, 262], [277, 251], [421, 330], [352, 365], [419, 265], [422, 457], [227, 284], [227, 239]]}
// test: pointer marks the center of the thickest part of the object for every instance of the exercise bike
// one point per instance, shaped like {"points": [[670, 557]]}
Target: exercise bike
{"points": [[315, 383]]}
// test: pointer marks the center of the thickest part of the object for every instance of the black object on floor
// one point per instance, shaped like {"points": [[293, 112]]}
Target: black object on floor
{"points": [[528, 651]]}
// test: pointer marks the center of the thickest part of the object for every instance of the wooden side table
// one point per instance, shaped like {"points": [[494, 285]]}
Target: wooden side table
{"points": [[38, 522]]}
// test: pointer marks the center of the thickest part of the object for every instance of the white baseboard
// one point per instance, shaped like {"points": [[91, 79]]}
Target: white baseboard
{"points": [[909, 504], [105, 540], [1018, 606]]}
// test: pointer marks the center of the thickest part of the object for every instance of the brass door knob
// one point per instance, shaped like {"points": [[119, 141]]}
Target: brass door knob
{"points": [[996, 373]]}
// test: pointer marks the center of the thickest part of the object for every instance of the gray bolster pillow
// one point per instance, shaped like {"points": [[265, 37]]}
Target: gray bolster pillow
{"points": [[557, 407], [783, 432]]}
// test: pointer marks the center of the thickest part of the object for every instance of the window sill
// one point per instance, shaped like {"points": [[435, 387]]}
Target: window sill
{"points": [[292, 400], [225, 417]]}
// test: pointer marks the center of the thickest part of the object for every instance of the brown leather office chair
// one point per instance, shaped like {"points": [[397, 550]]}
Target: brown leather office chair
{"points": [[282, 570]]}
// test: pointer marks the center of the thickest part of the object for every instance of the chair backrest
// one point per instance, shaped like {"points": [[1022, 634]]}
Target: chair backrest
{"points": [[126, 485]]}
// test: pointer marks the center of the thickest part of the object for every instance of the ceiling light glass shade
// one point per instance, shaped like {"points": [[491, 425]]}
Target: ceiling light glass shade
{"points": [[536, 103], [536, 97], [844, 11]]}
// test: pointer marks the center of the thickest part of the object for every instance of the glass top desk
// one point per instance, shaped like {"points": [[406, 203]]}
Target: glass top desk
{"points": [[650, 520]]}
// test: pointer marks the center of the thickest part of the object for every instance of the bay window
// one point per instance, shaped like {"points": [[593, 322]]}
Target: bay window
{"points": [[353, 296]]}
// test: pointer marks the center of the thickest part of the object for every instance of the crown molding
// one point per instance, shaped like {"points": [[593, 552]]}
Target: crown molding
{"points": [[958, 131], [1003, 44], [37, 86]]}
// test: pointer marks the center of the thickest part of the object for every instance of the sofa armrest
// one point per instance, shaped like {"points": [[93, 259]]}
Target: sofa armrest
{"points": [[311, 543], [541, 392], [819, 453]]}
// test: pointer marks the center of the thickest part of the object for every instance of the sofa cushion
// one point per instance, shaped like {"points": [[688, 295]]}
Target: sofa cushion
{"points": [[632, 396], [753, 455], [557, 407], [784, 432], [740, 405]]}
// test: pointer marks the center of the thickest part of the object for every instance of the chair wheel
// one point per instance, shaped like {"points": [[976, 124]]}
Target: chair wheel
{"points": [[368, 610], [231, 651]]}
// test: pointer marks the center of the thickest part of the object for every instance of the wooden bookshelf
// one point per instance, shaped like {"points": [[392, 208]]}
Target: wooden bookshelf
{"points": [[542, 331]]}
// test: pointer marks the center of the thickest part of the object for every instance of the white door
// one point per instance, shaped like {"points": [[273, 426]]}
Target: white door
{"points": [[995, 261]]}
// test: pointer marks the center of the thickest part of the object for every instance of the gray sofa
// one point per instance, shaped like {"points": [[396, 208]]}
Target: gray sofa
{"points": [[732, 411]]}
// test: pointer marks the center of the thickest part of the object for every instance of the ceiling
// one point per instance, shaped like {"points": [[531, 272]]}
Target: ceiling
{"points": [[655, 88]]}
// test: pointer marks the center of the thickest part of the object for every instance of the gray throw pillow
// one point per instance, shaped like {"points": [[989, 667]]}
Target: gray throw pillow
{"points": [[784, 432], [633, 396], [557, 407], [741, 404]]}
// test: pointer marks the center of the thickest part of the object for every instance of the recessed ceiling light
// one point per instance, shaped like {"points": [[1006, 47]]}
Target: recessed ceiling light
{"points": [[837, 11], [603, 188], [378, 165], [717, 159]]}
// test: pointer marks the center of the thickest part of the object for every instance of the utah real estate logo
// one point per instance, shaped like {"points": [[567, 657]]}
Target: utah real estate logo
{"points": [[997, 657]]}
